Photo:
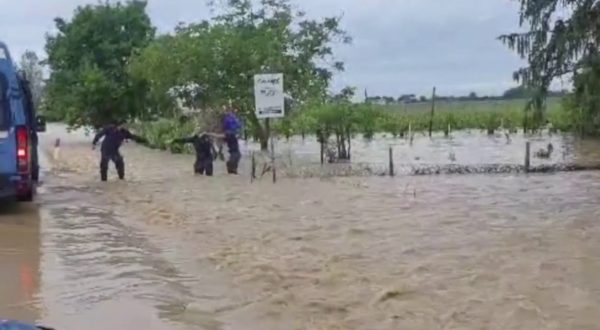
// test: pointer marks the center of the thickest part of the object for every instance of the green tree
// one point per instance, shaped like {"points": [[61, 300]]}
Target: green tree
{"points": [[32, 69], [583, 105], [563, 37], [340, 118], [88, 58], [223, 54]]}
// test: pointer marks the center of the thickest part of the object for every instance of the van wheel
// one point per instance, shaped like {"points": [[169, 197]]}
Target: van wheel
{"points": [[26, 197]]}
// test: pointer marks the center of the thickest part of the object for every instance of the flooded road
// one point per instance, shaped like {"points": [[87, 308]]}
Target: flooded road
{"points": [[168, 250], [68, 261], [20, 256]]}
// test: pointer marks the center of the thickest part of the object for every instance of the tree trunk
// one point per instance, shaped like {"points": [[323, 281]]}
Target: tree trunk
{"points": [[264, 144], [338, 144], [349, 142], [341, 139]]}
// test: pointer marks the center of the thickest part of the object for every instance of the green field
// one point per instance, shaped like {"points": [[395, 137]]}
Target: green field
{"points": [[485, 115]]}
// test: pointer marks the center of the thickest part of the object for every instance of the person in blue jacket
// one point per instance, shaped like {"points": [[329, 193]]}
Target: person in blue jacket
{"points": [[231, 122], [234, 151], [17, 325], [231, 127]]}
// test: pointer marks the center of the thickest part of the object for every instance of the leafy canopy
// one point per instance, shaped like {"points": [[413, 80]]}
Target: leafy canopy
{"points": [[562, 38], [88, 58], [221, 56]]}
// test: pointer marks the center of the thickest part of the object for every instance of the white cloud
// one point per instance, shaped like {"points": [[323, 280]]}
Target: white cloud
{"points": [[400, 46]]}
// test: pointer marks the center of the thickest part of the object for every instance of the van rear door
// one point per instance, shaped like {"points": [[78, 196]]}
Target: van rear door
{"points": [[8, 154]]}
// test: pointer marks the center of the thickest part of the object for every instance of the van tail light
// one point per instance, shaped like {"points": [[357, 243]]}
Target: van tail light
{"points": [[22, 149]]}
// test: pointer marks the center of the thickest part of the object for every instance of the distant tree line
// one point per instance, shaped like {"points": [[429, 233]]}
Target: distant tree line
{"points": [[510, 94]]}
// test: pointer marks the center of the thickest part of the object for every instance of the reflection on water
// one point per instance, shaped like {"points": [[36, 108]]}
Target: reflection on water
{"points": [[19, 262], [97, 269]]}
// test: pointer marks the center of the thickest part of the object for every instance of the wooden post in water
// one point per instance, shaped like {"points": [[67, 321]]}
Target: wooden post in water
{"points": [[527, 156], [56, 153], [268, 134], [273, 159], [391, 154], [432, 112], [253, 167]]}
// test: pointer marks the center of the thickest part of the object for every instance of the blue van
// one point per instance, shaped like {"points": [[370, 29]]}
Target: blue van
{"points": [[19, 125]]}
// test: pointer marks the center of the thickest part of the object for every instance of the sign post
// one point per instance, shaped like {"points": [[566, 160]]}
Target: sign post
{"points": [[269, 103]]}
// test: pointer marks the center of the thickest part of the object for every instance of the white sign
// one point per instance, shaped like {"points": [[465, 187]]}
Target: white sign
{"points": [[268, 95]]}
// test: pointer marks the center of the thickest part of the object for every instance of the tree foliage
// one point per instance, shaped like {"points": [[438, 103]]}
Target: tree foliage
{"points": [[563, 38], [584, 104], [338, 120], [88, 57], [222, 55]]}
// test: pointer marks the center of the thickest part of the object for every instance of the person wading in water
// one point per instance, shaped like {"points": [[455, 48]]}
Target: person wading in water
{"points": [[230, 124], [206, 152], [114, 135], [233, 147]]}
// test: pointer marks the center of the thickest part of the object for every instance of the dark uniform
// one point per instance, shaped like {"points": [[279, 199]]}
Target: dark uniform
{"points": [[205, 153], [234, 152], [113, 138]]}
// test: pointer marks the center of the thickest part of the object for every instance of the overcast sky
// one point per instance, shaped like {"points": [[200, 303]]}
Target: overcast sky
{"points": [[399, 47]]}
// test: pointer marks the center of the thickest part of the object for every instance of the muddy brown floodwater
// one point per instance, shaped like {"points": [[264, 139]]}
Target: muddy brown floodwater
{"points": [[19, 262], [167, 250]]}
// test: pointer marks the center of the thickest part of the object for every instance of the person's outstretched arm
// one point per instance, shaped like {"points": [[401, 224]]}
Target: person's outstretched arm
{"points": [[190, 139], [98, 136], [136, 138], [216, 135]]}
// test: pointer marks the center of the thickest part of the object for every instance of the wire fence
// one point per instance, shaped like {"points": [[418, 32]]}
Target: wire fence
{"points": [[290, 165]]}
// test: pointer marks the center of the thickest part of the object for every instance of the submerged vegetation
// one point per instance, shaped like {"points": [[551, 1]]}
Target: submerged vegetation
{"points": [[339, 123]]}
